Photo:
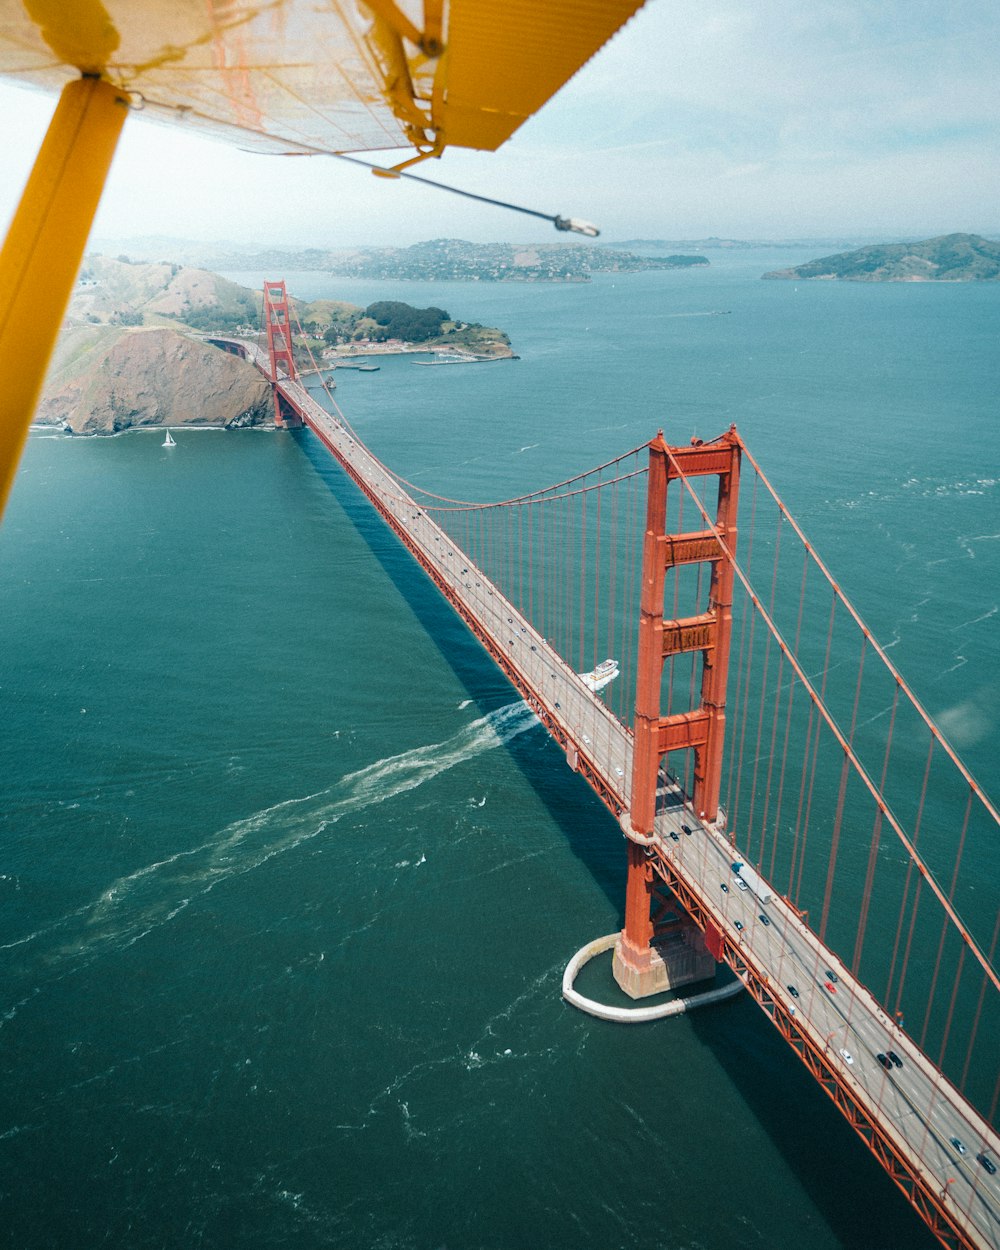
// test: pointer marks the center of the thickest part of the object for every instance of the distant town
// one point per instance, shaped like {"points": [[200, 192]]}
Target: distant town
{"points": [[439, 260]]}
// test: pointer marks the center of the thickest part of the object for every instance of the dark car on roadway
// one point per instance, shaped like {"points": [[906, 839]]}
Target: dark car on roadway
{"points": [[895, 1059], [793, 991], [987, 1163], [763, 919], [884, 1060]]}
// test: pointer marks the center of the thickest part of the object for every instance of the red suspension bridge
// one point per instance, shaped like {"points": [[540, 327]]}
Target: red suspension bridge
{"points": [[827, 855]]}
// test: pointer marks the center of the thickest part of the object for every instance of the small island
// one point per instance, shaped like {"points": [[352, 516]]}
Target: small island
{"points": [[949, 258], [132, 351]]}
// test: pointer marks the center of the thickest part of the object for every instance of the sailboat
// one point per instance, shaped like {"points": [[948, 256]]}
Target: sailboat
{"points": [[168, 441]]}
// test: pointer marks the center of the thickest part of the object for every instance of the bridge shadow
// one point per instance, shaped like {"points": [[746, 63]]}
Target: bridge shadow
{"points": [[843, 1181], [571, 803]]}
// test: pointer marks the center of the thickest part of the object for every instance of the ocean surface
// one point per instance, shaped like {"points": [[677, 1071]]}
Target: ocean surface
{"points": [[289, 877]]}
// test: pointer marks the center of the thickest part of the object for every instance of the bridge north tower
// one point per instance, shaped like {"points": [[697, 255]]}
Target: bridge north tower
{"points": [[659, 947], [278, 327]]}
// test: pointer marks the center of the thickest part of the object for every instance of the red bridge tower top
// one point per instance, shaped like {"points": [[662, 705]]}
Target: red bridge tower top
{"points": [[277, 321]]}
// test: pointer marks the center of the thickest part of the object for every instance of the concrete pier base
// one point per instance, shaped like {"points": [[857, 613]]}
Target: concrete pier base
{"points": [[677, 957], [633, 1015]]}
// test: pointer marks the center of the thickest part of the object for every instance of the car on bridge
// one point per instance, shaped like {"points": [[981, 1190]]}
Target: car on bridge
{"points": [[884, 1060], [793, 991], [958, 1145], [987, 1163]]}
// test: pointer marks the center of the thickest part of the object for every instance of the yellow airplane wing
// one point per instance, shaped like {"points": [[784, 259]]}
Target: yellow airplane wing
{"points": [[318, 75], [286, 76]]}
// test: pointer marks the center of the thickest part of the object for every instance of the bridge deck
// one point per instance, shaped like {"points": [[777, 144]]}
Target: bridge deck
{"points": [[907, 1115]]}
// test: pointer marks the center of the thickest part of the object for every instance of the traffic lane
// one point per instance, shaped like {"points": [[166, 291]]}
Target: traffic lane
{"points": [[840, 1017], [919, 1109]]}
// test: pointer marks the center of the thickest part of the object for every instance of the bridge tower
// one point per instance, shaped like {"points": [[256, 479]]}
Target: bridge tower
{"points": [[659, 948], [278, 325]]}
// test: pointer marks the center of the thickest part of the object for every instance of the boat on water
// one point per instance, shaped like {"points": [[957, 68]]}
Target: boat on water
{"points": [[602, 676], [168, 441]]}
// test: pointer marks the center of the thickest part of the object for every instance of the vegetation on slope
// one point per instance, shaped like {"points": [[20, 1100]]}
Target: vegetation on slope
{"points": [[337, 325], [949, 258]]}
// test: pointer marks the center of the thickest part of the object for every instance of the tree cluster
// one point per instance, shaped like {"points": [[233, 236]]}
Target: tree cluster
{"points": [[400, 321]]}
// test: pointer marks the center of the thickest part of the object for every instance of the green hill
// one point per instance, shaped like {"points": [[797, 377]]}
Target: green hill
{"points": [[950, 258]]}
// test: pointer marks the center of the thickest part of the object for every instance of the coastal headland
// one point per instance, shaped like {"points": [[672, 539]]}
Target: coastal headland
{"points": [[948, 258], [132, 352]]}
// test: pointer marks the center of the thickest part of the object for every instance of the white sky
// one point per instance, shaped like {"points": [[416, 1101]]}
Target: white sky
{"points": [[757, 118]]}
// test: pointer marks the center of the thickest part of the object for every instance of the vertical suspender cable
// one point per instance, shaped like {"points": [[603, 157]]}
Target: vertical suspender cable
{"points": [[841, 795], [874, 845], [946, 922], [920, 880]]}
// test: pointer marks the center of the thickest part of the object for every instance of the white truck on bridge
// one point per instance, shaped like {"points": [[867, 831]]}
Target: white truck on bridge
{"points": [[757, 884]]}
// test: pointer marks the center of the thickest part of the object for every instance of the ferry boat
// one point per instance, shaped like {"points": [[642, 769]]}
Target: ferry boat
{"points": [[602, 676]]}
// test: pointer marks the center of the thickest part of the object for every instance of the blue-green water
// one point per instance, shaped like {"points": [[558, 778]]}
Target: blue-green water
{"points": [[289, 879]]}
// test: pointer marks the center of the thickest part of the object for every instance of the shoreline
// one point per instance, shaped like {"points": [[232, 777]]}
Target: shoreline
{"points": [[413, 349], [453, 355]]}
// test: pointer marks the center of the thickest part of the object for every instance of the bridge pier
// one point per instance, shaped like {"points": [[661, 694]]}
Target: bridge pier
{"points": [[676, 956]]}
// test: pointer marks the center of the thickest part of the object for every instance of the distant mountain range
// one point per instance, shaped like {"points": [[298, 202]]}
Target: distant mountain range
{"points": [[647, 247], [438, 260], [949, 258]]}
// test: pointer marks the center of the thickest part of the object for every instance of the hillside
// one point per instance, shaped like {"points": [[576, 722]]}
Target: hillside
{"points": [[126, 377], [127, 357], [120, 292], [950, 258]]}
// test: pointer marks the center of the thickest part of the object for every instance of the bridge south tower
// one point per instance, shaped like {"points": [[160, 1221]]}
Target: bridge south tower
{"points": [[659, 947]]}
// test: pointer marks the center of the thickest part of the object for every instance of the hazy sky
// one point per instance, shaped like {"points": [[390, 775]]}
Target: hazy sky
{"points": [[762, 118]]}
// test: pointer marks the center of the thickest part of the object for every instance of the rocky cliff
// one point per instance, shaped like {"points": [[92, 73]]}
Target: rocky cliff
{"points": [[114, 378]]}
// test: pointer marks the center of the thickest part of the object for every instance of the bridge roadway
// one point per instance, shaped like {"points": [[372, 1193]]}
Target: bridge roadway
{"points": [[909, 1114]]}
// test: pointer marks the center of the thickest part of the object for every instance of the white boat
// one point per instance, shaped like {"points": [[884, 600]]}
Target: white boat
{"points": [[168, 441], [602, 676]]}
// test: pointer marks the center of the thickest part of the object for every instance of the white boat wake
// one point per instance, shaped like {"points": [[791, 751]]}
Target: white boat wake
{"points": [[156, 893]]}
